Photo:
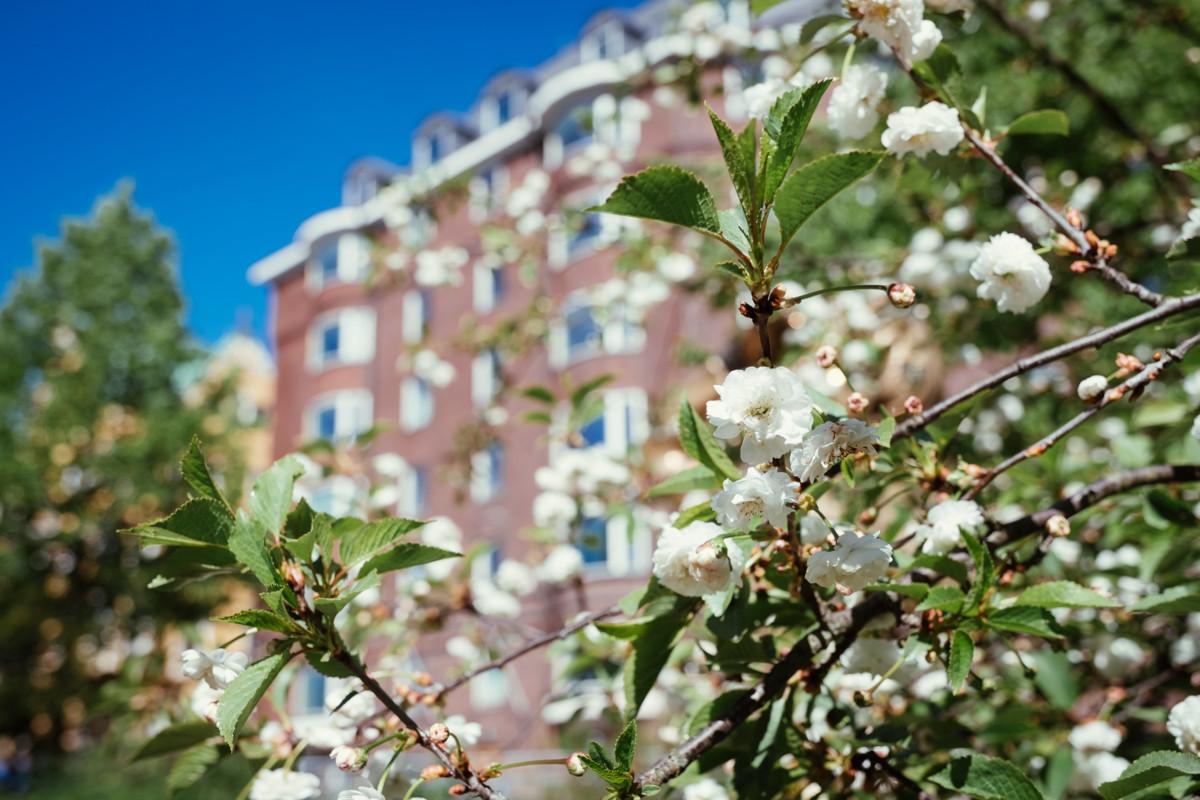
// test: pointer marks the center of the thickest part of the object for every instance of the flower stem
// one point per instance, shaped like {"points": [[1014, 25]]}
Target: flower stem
{"points": [[536, 762], [795, 301]]}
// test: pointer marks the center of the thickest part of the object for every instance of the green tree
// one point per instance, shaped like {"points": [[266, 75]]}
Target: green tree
{"points": [[92, 411]]}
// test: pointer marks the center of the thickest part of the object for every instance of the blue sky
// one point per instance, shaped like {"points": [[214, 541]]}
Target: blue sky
{"points": [[235, 120]]}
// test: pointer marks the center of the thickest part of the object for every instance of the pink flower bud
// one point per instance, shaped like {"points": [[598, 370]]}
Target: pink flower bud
{"points": [[826, 355], [438, 733], [902, 295], [857, 403], [913, 404], [575, 764], [348, 759]]}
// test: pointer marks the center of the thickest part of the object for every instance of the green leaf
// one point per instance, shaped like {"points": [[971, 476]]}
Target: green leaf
{"points": [[372, 538], [981, 557], [263, 620], [735, 230], [1048, 122], [195, 472], [943, 598], [941, 565], [190, 767], [986, 778], [738, 151], [540, 393], [299, 520], [1191, 168], [626, 744], [1024, 619], [1054, 675], [1064, 594], [324, 664], [817, 24], [248, 543], [1150, 770], [667, 194], [962, 651], [1185, 250], [699, 477], [330, 606], [243, 694], [887, 427], [403, 556], [697, 440], [174, 738], [914, 590], [735, 269], [699, 512], [814, 184], [1176, 600], [651, 650], [200, 522], [271, 497], [787, 122]]}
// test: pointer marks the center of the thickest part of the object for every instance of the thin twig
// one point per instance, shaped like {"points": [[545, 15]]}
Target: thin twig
{"points": [[1168, 309], [527, 647], [1131, 386], [1092, 494]]}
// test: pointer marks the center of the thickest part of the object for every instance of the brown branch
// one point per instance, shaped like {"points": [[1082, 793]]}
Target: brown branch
{"points": [[527, 647], [801, 655], [1092, 494], [459, 768], [1168, 309], [1131, 387]]}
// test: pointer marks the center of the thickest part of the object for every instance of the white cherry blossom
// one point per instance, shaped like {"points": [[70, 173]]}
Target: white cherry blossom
{"points": [[829, 443], [1011, 273], [767, 407], [1183, 722], [858, 559], [762, 494], [217, 667], [694, 562], [932, 128], [285, 784], [853, 106], [942, 531]]}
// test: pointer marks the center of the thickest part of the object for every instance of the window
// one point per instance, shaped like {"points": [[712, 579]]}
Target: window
{"points": [[584, 331], [416, 403], [487, 473], [314, 692], [608, 547], [584, 335], [621, 425], [575, 127], [414, 492], [339, 415], [485, 377], [604, 42], [344, 259], [586, 237], [503, 108], [346, 336], [486, 188], [487, 285], [414, 316], [337, 495]]}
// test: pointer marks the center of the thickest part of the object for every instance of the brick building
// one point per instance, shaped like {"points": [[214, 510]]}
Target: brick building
{"points": [[343, 343]]}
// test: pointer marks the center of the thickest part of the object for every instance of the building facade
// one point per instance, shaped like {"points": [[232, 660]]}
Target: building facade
{"points": [[348, 331]]}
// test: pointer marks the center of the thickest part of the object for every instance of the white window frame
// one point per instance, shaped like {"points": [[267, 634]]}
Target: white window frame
{"points": [[412, 502], [619, 335], [485, 377], [611, 35], [353, 253], [414, 316], [487, 481], [353, 413], [622, 555], [417, 405], [483, 285], [356, 338]]}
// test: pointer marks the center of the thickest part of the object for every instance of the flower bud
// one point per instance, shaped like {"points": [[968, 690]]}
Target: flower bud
{"points": [[433, 772], [438, 733], [1079, 266], [1127, 363], [349, 759], [1058, 525], [422, 679], [458, 790], [826, 355], [575, 764], [293, 575], [746, 310], [1092, 388], [913, 404], [857, 403], [902, 295]]}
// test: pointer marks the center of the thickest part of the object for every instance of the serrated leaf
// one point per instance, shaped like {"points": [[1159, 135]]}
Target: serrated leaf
{"points": [[370, 539], [914, 590], [986, 778], [698, 441], [795, 111], [195, 472], [1150, 770], [699, 512], [200, 522], [174, 738], [330, 606], [191, 767], [699, 477], [625, 745], [248, 544], [735, 269], [738, 150], [1024, 619], [243, 694], [667, 194], [1047, 122], [1176, 600], [943, 598], [271, 497], [887, 427], [263, 620], [941, 565], [651, 649], [406, 555], [1191, 168], [299, 520], [962, 652], [1064, 594], [1055, 677], [734, 229], [981, 557], [816, 183], [325, 665]]}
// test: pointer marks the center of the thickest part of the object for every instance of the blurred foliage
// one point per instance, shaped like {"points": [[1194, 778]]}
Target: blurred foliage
{"points": [[92, 414]]}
